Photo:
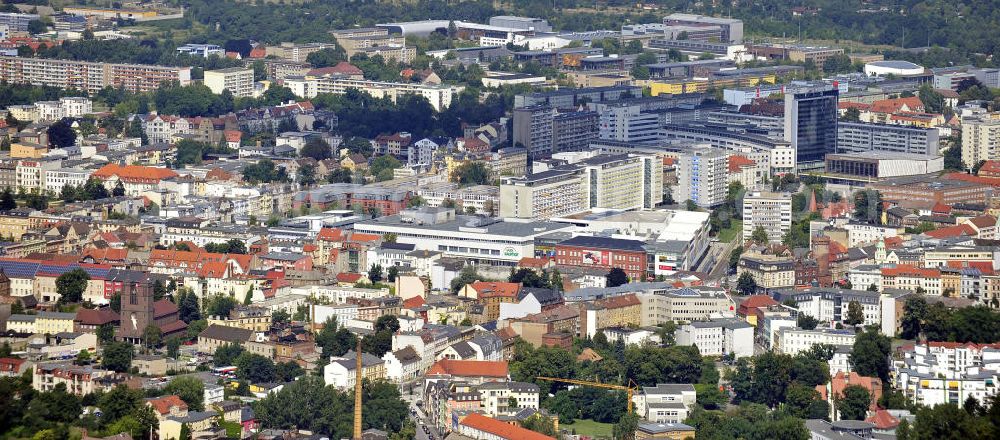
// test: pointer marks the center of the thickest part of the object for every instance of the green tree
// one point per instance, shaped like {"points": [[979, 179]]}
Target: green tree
{"points": [[806, 403], [173, 346], [117, 356], [316, 148], [806, 322], [106, 333], [746, 284], [759, 235], [280, 317], [82, 358], [189, 389], [187, 305], [852, 114], [71, 285], [868, 206], [375, 273], [226, 354], [7, 201], [854, 403], [855, 314], [61, 134], [616, 277], [254, 368], [472, 173], [152, 336], [870, 354]]}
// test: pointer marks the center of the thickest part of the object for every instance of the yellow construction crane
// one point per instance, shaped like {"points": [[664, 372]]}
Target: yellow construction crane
{"points": [[629, 389]]}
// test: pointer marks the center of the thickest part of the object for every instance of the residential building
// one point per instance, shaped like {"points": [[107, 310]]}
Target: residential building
{"points": [[980, 137], [496, 397], [79, 380], [665, 403], [89, 76], [718, 337], [768, 271], [439, 96], [795, 340], [238, 80], [702, 177], [296, 52], [830, 305], [682, 305], [479, 427], [202, 50], [767, 210], [16, 22], [627, 123], [341, 372], [617, 311], [935, 373]]}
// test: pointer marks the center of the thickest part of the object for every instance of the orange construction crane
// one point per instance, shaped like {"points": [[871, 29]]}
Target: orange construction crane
{"points": [[629, 389]]}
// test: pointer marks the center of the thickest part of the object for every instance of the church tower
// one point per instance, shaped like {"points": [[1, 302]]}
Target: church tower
{"points": [[136, 310]]}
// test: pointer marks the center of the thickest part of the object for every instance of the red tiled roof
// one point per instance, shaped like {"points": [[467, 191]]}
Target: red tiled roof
{"points": [[941, 208], [893, 242], [617, 302], [500, 429], [904, 270], [991, 181], [163, 307], [494, 288], [330, 234], [133, 172], [534, 263], [342, 68], [913, 103], [757, 301], [951, 231], [233, 135], [469, 368], [883, 420], [983, 221], [737, 161], [858, 105], [347, 277], [163, 404], [990, 166], [96, 317], [413, 302]]}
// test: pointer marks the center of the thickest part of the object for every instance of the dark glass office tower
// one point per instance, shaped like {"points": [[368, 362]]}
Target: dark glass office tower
{"points": [[811, 123]]}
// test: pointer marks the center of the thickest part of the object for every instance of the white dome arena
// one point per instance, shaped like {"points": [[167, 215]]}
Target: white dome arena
{"points": [[898, 68]]}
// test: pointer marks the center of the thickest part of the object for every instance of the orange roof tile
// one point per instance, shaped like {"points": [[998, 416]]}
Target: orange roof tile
{"points": [[617, 302], [952, 231], [500, 429], [992, 181], [347, 277], [330, 234], [883, 420], [462, 368], [990, 166], [163, 404], [413, 302], [983, 221], [494, 288], [913, 103], [904, 270], [133, 172], [736, 162]]}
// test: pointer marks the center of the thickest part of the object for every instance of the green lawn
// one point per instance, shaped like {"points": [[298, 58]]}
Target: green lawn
{"points": [[727, 235], [588, 428]]}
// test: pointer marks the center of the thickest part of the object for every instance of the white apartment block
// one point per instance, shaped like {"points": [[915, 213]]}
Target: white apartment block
{"points": [[495, 397], [771, 211], [795, 340], [51, 111], [980, 138], [89, 76], [56, 179], [936, 373], [717, 337], [238, 80], [665, 403], [308, 87], [830, 305], [860, 234], [682, 305], [702, 177]]}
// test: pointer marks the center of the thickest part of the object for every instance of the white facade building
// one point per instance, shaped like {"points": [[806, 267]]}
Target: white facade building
{"points": [[795, 340], [771, 211], [718, 337]]}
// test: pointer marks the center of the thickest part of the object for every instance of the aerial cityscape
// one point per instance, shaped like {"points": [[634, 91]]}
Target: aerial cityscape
{"points": [[499, 219]]}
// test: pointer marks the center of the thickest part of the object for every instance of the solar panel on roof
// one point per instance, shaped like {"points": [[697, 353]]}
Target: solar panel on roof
{"points": [[19, 269]]}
